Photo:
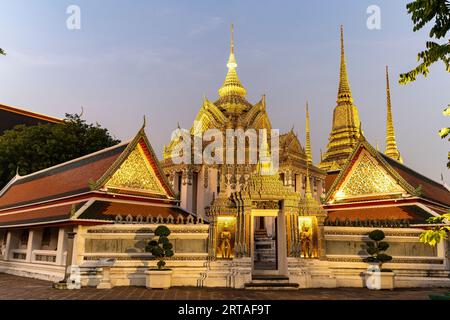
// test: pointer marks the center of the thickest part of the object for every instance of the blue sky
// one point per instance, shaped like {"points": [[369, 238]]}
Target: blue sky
{"points": [[158, 58]]}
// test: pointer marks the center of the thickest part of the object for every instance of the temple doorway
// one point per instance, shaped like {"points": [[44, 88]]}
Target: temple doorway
{"points": [[265, 249]]}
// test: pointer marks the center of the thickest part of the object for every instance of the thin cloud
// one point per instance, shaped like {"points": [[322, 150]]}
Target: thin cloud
{"points": [[209, 24]]}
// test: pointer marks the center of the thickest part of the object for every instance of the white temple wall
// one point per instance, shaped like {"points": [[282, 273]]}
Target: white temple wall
{"points": [[126, 244], [414, 265], [35, 260]]}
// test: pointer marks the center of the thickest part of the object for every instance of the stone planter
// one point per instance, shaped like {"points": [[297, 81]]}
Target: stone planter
{"points": [[158, 279], [377, 280]]}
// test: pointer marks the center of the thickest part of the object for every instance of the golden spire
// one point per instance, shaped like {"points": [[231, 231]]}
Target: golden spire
{"points": [[391, 144], [344, 93], [308, 193], [308, 136], [346, 130], [232, 85]]}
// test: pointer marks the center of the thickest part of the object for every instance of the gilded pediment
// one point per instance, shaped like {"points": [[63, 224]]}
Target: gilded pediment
{"points": [[136, 174], [367, 177]]}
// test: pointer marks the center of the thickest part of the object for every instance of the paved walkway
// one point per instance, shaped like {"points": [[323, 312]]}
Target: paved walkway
{"points": [[17, 288]]}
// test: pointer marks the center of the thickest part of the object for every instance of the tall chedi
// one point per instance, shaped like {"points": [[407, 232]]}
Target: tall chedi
{"points": [[346, 130], [391, 144]]}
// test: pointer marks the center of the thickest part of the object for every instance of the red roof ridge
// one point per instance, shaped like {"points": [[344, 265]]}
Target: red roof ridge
{"points": [[28, 113], [413, 171], [18, 177]]}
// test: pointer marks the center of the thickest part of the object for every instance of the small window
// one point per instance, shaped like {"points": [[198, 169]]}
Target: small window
{"points": [[46, 238], [282, 178]]}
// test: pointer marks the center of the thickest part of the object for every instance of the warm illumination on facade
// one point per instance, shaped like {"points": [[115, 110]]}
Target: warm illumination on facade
{"points": [[226, 231], [308, 236]]}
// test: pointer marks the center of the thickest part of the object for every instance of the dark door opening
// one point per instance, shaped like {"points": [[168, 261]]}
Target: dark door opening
{"points": [[265, 239]]}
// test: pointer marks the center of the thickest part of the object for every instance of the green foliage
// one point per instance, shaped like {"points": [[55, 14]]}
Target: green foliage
{"points": [[161, 248], [376, 248], [437, 233], [2, 52], [444, 132], [376, 235], [162, 231], [32, 148], [422, 12]]}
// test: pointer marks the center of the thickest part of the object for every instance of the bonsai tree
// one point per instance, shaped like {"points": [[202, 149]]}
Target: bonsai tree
{"points": [[376, 248], [161, 248]]}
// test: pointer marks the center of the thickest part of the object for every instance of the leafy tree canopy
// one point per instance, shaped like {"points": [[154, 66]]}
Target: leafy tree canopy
{"points": [[32, 148], [2, 52], [423, 12]]}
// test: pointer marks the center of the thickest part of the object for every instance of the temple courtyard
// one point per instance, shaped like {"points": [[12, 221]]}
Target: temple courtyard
{"points": [[18, 288]]}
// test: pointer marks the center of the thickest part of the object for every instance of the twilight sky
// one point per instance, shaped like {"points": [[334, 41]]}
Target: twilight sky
{"points": [[158, 58]]}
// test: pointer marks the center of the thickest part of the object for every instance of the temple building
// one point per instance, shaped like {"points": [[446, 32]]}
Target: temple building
{"points": [[12, 116], [240, 225], [198, 185], [103, 205]]}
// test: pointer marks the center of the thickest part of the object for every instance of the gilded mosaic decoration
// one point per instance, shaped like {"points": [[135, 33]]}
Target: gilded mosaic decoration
{"points": [[135, 173], [367, 178]]}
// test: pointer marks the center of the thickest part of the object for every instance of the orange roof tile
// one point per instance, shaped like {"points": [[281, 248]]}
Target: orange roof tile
{"points": [[66, 179], [410, 213]]}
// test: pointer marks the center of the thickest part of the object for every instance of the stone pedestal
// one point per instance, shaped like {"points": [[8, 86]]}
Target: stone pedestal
{"points": [[377, 280], [158, 279], [105, 282]]}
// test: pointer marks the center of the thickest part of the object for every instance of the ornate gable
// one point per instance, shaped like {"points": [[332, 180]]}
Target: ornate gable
{"points": [[136, 174], [209, 117], [289, 143], [136, 171], [367, 175]]}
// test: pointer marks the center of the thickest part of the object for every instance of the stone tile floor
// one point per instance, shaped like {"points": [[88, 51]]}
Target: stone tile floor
{"points": [[17, 288]]}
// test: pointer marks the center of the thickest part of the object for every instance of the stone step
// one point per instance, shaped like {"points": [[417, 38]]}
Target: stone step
{"points": [[269, 278], [271, 286]]}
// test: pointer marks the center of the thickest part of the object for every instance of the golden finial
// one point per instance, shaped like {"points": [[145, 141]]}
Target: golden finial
{"points": [[232, 38], [391, 143], [308, 136], [232, 85], [232, 60], [344, 93]]}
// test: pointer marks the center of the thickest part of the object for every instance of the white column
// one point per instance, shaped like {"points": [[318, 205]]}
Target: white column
{"points": [[186, 192], [61, 247], [12, 243], [8, 246], [78, 245], [29, 246], [34, 243], [201, 192]]}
